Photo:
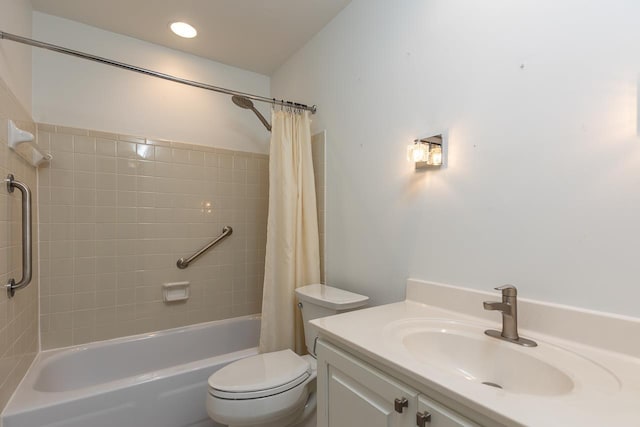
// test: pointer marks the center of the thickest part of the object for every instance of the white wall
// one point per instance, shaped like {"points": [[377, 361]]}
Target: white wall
{"points": [[76, 92], [15, 59], [543, 184]]}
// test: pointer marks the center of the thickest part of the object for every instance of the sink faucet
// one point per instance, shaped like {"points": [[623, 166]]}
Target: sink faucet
{"points": [[509, 308]]}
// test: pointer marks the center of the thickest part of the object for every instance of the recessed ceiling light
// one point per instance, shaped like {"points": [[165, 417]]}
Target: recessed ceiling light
{"points": [[184, 30]]}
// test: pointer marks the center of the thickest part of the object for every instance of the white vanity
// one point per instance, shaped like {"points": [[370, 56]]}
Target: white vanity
{"points": [[427, 362]]}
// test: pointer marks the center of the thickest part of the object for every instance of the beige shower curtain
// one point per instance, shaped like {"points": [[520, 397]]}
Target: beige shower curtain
{"points": [[292, 257]]}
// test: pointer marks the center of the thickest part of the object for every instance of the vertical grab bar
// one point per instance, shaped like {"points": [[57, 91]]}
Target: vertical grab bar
{"points": [[12, 286]]}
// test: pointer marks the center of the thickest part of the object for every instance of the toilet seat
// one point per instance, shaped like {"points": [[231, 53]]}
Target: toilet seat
{"points": [[259, 376]]}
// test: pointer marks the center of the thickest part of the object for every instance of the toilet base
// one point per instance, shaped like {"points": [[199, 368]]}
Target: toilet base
{"points": [[309, 421], [303, 418]]}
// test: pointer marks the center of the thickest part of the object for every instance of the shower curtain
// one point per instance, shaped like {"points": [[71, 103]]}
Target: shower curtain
{"points": [[293, 255]]}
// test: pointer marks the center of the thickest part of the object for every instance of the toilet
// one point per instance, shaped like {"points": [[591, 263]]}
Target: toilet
{"points": [[277, 389]]}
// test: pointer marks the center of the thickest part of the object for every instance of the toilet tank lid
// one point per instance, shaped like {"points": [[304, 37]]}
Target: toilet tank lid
{"points": [[330, 297]]}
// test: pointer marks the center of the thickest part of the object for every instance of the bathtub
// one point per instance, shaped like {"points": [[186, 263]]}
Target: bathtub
{"points": [[156, 380]]}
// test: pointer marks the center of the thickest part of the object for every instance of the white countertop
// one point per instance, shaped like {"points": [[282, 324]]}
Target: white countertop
{"points": [[609, 398]]}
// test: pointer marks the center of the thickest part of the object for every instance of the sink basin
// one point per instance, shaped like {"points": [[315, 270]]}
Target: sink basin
{"points": [[463, 350], [484, 361]]}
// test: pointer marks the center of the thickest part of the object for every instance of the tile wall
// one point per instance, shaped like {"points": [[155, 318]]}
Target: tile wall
{"points": [[118, 211], [318, 149], [18, 315]]}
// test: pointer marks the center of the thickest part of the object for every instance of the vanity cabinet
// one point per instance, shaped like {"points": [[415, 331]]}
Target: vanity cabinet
{"points": [[353, 393]]}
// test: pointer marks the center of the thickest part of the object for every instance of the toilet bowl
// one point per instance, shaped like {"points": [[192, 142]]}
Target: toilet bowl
{"points": [[277, 389]]}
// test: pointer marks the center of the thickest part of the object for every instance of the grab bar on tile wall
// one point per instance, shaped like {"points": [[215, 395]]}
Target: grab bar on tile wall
{"points": [[12, 286], [184, 263]]}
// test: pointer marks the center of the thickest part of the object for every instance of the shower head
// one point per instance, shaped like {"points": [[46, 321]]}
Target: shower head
{"points": [[246, 103], [242, 102]]}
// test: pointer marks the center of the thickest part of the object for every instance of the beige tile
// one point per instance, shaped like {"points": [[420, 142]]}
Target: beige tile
{"points": [[62, 267], [106, 314], [84, 162], [225, 161], [105, 248], [133, 139], [84, 266], [60, 321], [105, 147], [84, 144], [61, 231], [106, 181], [83, 336], [61, 213], [105, 299], [126, 149], [46, 127], [57, 339], [84, 197], [158, 142], [105, 164], [106, 198], [60, 249], [103, 135], [240, 162], [145, 152], [147, 183], [84, 231], [84, 301], [83, 248], [106, 214], [180, 156], [62, 285], [146, 168], [118, 213], [61, 195], [105, 232], [211, 160], [126, 183], [62, 160], [71, 130], [61, 142], [60, 178], [196, 157], [127, 166], [163, 154], [60, 303]]}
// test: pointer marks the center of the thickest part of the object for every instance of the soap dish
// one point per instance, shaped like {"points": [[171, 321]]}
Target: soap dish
{"points": [[176, 291]]}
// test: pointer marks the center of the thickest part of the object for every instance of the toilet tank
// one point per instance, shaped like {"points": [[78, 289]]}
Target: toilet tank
{"points": [[321, 301]]}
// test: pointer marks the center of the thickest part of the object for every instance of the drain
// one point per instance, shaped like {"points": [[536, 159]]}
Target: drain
{"points": [[490, 384]]}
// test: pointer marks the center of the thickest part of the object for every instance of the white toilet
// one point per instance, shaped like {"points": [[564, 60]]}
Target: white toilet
{"points": [[278, 389]]}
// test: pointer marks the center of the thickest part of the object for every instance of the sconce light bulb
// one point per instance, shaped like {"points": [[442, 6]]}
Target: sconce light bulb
{"points": [[418, 152], [435, 155]]}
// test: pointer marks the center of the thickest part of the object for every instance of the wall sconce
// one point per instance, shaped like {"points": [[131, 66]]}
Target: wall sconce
{"points": [[426, 152]]}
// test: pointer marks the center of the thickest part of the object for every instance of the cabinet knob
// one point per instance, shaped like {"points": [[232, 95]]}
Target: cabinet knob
{"points": [[422, 418], [399, 404]]}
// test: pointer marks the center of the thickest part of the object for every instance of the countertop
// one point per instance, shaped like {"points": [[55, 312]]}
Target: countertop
{"points": [[610, 398]]}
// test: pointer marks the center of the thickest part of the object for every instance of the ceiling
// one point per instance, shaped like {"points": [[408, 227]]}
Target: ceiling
{"points": [[256, 35]]}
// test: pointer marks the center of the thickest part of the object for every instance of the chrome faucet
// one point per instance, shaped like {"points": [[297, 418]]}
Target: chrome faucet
{"points": [[509, 309]]}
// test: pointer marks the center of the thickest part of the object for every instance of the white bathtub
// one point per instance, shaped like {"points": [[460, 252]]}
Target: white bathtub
{"points": [[155, 380]]}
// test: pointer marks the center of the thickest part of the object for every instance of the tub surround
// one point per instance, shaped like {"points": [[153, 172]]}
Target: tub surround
{"points": [[19, 326], [118, 211], [602, 366]]}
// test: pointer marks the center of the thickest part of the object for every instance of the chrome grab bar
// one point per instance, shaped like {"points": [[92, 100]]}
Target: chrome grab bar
{"points": [[184, 263], [12, 286]]}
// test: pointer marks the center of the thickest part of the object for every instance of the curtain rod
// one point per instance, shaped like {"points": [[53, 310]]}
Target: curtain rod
{"points": [[60, 49]]}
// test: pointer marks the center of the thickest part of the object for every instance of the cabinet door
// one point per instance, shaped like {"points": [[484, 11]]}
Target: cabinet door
{"points": [[353, 394], [436, 415]]}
